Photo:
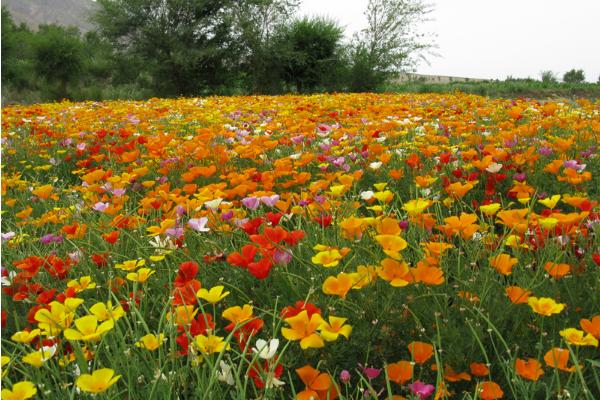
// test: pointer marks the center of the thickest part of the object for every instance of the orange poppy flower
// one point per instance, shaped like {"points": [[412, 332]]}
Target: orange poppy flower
{"points": [[464, 226], [591, 326], [489, 390], [514, 219], [420, 351], [503, 263], [338, 285], [318, 385], [530, 369], [558, 358], [557, 271], [517, 295], [479, 369], [400, 372]]}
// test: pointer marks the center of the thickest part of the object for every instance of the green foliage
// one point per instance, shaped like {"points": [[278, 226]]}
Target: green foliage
{"points": [[187, 47], [549, 77], [58, 57], [574, 76], [309, 51], [389, 44]]}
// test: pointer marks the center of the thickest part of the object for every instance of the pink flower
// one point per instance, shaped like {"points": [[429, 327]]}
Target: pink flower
{"points": [[270, 200], [251, 202], [421, 389], [199, 224]]}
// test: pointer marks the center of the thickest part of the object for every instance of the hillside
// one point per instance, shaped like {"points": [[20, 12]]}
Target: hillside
{"points": [[62, 12]]}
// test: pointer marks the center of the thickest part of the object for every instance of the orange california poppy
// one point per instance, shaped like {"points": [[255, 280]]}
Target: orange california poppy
{"points": [[530, 369], [420, 351]]}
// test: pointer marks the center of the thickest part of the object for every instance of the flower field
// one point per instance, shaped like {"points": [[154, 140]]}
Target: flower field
{"points": [[328, 246]]}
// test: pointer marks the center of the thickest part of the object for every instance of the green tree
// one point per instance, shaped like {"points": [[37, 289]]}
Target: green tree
{"points": [[548, 77], [58, 56], [574, 76], [17, 68], [390, 43], [186, 46], [309, 52], [256, 22]]}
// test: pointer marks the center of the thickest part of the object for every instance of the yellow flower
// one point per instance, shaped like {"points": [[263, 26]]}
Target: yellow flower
{"points": [[25, 336], [98, 381], [545, 306], [328, 256], [130, 265], [60, 316], [183, 315], [550, 202], [141, 275], [384, 197], [237, 315], [88, 329], [106, 311], [85, 282], [547, 223], [20, 391], [160, 230], [5, 361], [578, 338], [39, 357], [416, 207], [214, 295], [210, 344], [304, 329], [490, 209], [150, 341], [336, 327]]}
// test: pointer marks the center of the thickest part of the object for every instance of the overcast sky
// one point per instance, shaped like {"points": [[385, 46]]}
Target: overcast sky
{"points": [[494, 39]]}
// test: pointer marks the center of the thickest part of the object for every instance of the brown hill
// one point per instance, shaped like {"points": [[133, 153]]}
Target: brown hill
{"points": [[61, 12]]}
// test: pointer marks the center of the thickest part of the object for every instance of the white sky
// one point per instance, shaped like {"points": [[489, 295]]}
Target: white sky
{"points": [[494, 39]]}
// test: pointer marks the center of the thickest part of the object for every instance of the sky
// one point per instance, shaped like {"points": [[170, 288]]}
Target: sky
{"points": [[494, 39]]}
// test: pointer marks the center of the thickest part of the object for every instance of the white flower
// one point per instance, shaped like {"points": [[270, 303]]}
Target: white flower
{"points": [[494, 168], [272, 381], [225, 375], [213, 204], [367, 194], [265, 350], [375, 165]]}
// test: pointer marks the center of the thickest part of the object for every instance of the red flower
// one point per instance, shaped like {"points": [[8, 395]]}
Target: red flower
{"points": [[187, 271], [261, 268], [251, 227], [298, 307], [324, 220], [242, 260]]}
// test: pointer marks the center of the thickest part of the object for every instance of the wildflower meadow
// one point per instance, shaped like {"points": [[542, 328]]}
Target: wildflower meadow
{"points": [[351, 246]]}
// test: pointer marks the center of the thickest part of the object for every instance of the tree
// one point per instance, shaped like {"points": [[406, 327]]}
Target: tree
{"points": [[309, 52], [390, 43], [187, 46], [256, 22], [17, 68], [549, 77], [574, 76], [58, 57]]}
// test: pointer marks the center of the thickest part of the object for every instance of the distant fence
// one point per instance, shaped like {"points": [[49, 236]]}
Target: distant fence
{"points": [[407, 77]]}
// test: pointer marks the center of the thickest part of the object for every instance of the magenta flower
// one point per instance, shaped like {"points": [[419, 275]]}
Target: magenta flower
{"points": [[345, 376], [370, 373], [421, 389]]}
